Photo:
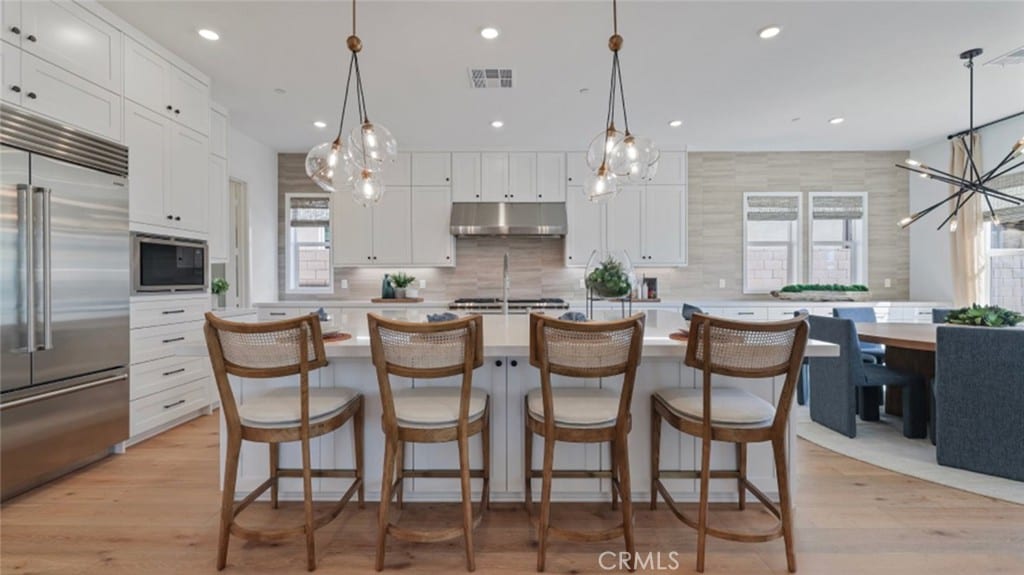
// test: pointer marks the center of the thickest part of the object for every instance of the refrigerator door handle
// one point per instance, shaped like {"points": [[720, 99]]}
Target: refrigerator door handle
{"points": [[26, 230], [47, 269], [60, 392]]}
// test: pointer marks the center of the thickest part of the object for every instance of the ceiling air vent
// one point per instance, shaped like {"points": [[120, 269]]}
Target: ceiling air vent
{"points": [[1015, 56], [490, 77]]}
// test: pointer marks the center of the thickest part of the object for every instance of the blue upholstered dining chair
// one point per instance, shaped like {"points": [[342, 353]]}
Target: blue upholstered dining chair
{"points": [[872, 352], [979, 400], [939, 314], [843, 383], [689, 310]]}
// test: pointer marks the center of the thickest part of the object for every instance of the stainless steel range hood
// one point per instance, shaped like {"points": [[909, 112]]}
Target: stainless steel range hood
{"points": [[508, 219]]}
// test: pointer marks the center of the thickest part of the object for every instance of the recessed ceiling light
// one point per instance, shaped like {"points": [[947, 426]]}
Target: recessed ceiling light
{"points": [[837, 120], [320, 124], [769, 32], [209, 34], [675, 123], [490, 33], [497, 124], [280, 91]]}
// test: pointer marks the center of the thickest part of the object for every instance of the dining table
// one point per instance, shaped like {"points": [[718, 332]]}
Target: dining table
{"points": [[908, 347]]}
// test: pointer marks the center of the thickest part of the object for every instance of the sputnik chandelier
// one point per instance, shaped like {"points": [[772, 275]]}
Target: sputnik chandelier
{"points": [[971, 181], [371, 147], [614, 155]]}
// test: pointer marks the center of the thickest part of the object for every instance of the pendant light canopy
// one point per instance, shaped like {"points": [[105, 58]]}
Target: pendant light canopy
{"points": [[972, 181], [616, 156], [355, 165]]}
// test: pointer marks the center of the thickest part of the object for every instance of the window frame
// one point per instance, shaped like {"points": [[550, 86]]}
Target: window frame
{"points": [[860, 252], [291, 247], [796, 243], [989, 254]]}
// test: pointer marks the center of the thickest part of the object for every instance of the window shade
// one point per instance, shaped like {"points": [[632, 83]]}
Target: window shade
{"points": [[837, 207], [773, 208], [310, 212], [1012, 184]]}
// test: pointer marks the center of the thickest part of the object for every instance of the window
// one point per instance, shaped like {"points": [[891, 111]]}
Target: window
{"points": [[1005, 245], [771, 240], [308, 243], [838, 229]]}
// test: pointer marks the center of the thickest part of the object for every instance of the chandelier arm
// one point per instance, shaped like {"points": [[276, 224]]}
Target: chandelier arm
{"points": [[980, 188], [927, 171], [1005, 171], [1008, 158], [991, 210], [956, 211], [969, 148], [622, 93], [930, 209], [344, 103]]}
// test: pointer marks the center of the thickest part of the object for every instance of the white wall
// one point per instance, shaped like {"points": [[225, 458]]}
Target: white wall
{"points": [[256, 164], [930, 266]]}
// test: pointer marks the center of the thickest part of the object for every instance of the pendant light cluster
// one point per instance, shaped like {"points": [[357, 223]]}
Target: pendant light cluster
{"points": [[972, 181], [615, 156], [357, 166]]}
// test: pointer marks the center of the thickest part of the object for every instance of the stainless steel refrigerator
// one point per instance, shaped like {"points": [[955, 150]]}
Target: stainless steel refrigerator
{"points": [[64, 257]]}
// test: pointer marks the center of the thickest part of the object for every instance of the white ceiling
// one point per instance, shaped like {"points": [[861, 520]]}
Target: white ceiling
{"points": [[891, 69]]}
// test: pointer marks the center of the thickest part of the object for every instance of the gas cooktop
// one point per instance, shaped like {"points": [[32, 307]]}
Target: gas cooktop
{"points": [[493, 304]]}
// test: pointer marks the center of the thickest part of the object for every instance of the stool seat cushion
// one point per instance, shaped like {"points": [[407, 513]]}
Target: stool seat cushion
{"points": [[282, 407], [583, 407], [435, 407], [729, 405]]}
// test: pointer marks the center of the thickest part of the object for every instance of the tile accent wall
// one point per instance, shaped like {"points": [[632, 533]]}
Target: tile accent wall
{"points": [[717, 181]]}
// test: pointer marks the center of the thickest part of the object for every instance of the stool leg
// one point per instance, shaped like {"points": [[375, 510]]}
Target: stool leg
{"points": [[467, 497], [741, 466], [528, 467], [400, 474], [227, 506], [545, 502], [307, 503], [621, 446], [655, 453], [785, 506], [358, 439], [615, 475], [275, 453], [385, 500], [702, 516], [485, 443]]}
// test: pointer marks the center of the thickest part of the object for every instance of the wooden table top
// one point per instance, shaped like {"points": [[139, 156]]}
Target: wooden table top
{"points": [[917, 336]]}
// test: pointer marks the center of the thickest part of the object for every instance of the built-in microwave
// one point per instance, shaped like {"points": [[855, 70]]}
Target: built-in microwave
{"points": [[166, 264]]}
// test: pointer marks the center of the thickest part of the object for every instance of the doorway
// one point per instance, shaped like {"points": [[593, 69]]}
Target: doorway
{"points": [[238, 250]]}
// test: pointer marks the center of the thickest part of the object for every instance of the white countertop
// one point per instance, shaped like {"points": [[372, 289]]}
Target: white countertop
{"points": [[579, 304]]}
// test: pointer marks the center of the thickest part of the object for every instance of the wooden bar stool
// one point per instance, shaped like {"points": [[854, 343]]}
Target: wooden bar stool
{"points": [[268, 350], [721, 413], [581, 414], [431, 414]]}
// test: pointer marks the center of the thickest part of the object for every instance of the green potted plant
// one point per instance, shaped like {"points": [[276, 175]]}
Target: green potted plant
{"points": [[987, 316], [610, 276], [219, 287], [401, 281], [823, 292]]}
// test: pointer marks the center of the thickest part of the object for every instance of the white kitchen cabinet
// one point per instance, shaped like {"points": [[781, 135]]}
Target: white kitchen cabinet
{"points": [[70, 37], [576, 168], [161, 86], [146, 135], [432, 241], [190, 154], [52, 91], [392, 219], [398, 173], [191, 100], [10, 21], [218, 209], [465, 177], [664, 226], [431, 169], [671, 169], [11, 72], [218, 132], [494, 177], [353, 234], [624, 217], [550, 177], [522, 177], [586, 228]]}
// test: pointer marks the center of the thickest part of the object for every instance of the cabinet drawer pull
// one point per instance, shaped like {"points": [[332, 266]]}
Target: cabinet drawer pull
{"points": [[15, 30], [173, 339], [170, 405], [16, 89], [174, 371], [172, 311], [31, 95], [31, 38], [744, 313], [278, 313]]}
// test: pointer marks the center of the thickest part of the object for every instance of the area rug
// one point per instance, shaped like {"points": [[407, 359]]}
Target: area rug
{"points": [[882, 444]]}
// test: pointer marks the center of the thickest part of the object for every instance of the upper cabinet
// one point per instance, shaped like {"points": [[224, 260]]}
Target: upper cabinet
{"points": [[466, 177], [431, 169], [398, 173], [494, 177], [550, 177], [374, 235], [218, 195], [68, 36], [671, 169], [219, 132], [432, 241], [161, 86]]}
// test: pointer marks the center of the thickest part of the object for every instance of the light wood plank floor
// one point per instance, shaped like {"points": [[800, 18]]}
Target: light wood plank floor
{"points": [[154, 511]]}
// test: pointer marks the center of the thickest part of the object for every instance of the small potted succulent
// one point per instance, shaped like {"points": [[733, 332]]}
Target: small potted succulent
{"points": [[218, 287], [987, 316], [402, 281]]}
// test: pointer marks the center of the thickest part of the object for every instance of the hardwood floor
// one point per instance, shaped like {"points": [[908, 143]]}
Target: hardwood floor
{"points": [[154, 511]]}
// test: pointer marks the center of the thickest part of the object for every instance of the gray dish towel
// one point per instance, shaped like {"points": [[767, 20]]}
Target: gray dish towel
{"points": [[573, 316], [446, 316]]}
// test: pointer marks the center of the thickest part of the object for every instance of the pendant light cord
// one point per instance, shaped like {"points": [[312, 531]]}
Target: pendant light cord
{"points": [[344, 103]]}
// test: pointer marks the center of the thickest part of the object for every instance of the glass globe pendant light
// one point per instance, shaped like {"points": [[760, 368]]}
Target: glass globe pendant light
{"points": [[370, 148], [602, 185]]}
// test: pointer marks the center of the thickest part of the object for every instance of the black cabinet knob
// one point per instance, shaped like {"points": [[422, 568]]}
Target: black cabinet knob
{"points": [[177, 218], [570, 179], [514, 363], [540, 195], [570, 257], [478, 195], [16, 89], [169, 107], [447, 257], [369, 257], [30, 38], [447, 179], [177, 111], [31, 95], [498, 363], [374, 257], [15, 30], [170, 217]]}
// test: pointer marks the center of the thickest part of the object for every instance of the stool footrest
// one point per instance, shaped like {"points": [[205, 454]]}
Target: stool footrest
{"points": [[430, 535], [342, 473], [574, 474], [263, 536], [439, 473]]}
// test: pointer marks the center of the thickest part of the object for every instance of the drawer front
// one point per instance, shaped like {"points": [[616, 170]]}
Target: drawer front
{"points": [[160, 408], [168, 311], [162, 374], [158, 342], [782, 313], [279, 313], [919, 314], [746, 313]]}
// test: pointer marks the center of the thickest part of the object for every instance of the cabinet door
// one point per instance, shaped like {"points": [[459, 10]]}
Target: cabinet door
{"points": [[218, 133], [671, 169], [399, 172], [431, 169], [522, 177], [551, 177], [585, 220], [465, 177], [353, 233], [73, 38], [190, 163], [146, 77], [191, 100], [664, 225], [51, 91], [10, 20], [623, 223], [431, 237], [494, 177], [11, 72], [218, 209], [147, 136], [576, 168], [392, 218]]}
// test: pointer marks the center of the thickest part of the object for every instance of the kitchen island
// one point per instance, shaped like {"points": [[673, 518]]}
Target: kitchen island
{"points": [[507, 376]]}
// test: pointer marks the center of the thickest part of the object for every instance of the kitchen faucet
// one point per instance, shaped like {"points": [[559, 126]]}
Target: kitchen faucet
{"points": [[506, 285]]}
